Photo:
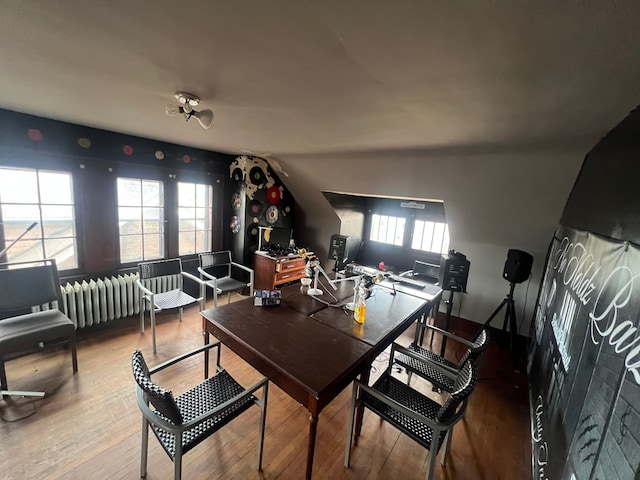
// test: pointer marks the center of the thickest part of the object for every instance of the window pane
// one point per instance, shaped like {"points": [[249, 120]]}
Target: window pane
{"points": [[438, 236], [428, 236], [56, 188], [202, 241], [17, 218], [418, 228], [203, 196], [153, 220], [186, 243], [387, 229], [57, 221], [129, 192], [130, 248], [153, 247], [153, 194], [18, 186], [63, 250], [25, 250], [130, 220], [186, 194]]}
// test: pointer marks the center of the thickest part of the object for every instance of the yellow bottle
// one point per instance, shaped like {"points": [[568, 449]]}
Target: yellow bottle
{"points": [[360, 311]]}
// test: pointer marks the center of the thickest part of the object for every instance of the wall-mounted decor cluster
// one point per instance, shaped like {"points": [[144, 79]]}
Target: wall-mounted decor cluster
{"points": [[266, 202]]}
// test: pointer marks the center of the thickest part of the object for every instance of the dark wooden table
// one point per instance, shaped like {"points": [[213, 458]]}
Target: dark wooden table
{"points": [[311, 358]]}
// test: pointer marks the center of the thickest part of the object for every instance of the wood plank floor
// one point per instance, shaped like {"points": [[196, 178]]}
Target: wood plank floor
{"points": [[88, 425]]}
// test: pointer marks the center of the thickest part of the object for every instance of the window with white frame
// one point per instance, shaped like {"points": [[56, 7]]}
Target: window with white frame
{"points": [[44, 197], [430, 236], [387, 229], [140, 219], [194, 217]]}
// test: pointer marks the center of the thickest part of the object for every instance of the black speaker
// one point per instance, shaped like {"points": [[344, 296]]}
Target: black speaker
{"points": [[454, 272], [517, 268]]}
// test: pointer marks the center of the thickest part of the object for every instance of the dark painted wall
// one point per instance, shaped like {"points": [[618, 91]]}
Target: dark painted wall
{"points": [[584, 365], [93, 157]]}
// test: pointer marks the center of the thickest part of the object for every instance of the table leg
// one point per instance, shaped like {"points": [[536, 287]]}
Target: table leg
{"points": [[313, 428], [205, 334], [364, 378]]}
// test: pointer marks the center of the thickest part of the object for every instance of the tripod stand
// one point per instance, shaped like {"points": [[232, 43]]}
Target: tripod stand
{"points": [[509, 316]]}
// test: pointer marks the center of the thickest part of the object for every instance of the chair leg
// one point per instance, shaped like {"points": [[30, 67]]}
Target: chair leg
{"points": [[74, 352], [433, 451], [177, 460], [446, 446], [145, 447], [153, 328], [352, 416], [3, 375], [181, 313], [263, 418]]}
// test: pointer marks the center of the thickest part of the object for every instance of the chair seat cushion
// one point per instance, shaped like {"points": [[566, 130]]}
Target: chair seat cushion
{"points": [[27, 331], [172, 299], [408, 397], [228, 284], [199, 400], [426, 371]]}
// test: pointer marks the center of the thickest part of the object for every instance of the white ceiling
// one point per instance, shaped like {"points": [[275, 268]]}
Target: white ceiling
{"points": [[309, 77]]}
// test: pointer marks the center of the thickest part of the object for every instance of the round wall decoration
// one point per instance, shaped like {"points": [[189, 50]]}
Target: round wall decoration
{"points": [[274, 195], [256, 207], [236, 201], [235, 224], [237, 175], [272, 214], [252, 231], [257, 176]]}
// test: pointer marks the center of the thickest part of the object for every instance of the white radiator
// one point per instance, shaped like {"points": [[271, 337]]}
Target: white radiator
{"points": [[99, 301]]}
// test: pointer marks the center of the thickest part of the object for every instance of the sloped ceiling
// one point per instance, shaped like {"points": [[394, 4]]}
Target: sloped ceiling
{"points": [[308, 77]]}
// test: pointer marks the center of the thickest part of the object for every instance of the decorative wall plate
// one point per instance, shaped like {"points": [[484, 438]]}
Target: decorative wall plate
{"points": [[257, 176], [272, 214], [274, 195], [236, 201], [236, 224]]}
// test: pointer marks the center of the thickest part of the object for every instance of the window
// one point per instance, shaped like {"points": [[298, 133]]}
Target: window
{"points": [[140, 219], [45, 197], [430, 237], [194, 217], [386, 229]]}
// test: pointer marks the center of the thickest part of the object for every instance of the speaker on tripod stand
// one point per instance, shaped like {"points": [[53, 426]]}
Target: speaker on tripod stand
{"points": [[517, 269]]}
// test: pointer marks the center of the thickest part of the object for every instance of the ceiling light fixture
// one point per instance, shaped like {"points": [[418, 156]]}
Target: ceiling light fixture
{"points": [[188, 101]]}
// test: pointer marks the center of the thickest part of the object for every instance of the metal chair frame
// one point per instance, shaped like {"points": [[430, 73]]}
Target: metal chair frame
{"points": [[177, 431], [441, 419], [172, 299], [226, 283]]}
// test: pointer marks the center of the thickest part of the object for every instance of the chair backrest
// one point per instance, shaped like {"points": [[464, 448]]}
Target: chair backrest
{"points": [[27, 284], [217, 264], [159, 397], [215, 259], [480, 344], [464, 385], [160, 268]]}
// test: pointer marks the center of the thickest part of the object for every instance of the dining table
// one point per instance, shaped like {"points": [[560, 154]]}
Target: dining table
{"points": [[310, 346]]}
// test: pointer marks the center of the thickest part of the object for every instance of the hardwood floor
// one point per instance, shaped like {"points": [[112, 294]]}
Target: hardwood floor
{"points": [[88, 426]]}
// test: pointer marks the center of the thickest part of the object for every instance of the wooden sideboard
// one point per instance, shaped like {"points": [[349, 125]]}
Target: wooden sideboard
{"points": [[269, 272]]}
